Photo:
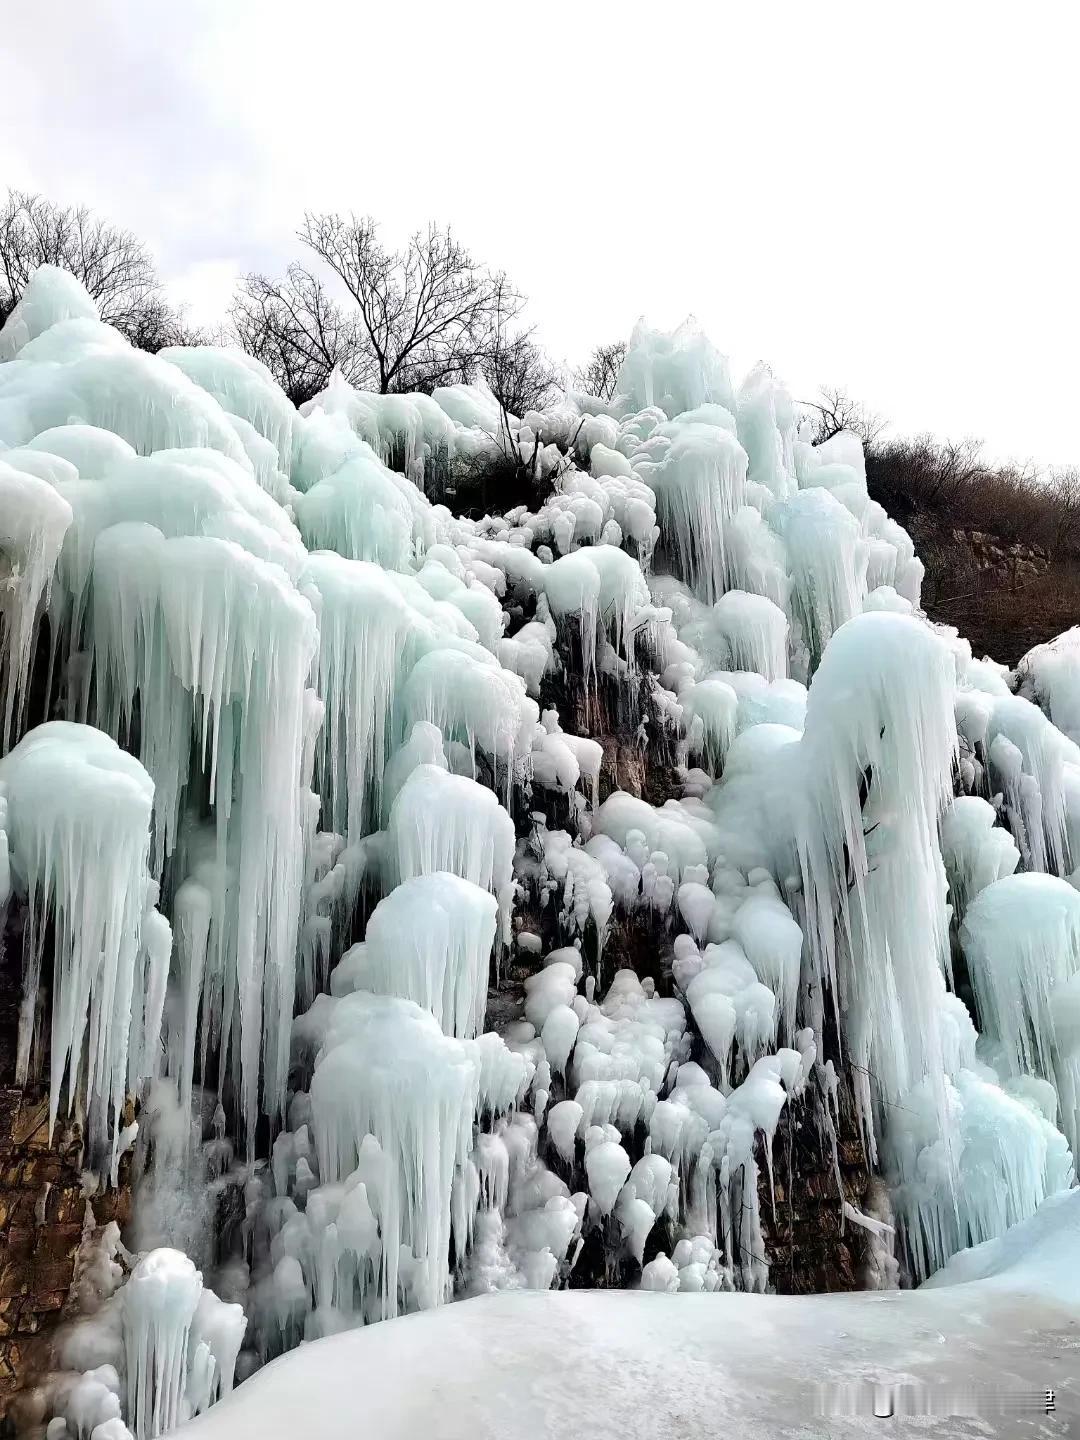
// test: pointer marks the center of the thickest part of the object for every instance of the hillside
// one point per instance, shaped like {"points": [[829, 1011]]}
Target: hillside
{"points": [[449, 852], [1001, 546]]}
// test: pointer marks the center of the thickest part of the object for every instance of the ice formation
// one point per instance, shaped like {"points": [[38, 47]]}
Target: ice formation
{"points": [[357, 786], [157, 1348], [75, 840], [430, 940]]}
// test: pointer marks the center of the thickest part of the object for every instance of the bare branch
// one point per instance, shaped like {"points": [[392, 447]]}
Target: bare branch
{"points": [[837, 411], [600, 375], [299, 333], [428, 315]]}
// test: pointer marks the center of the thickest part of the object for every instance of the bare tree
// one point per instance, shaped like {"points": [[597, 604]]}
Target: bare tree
{"points": [[116, 268], [429, 314], [299, 333], [1064, 492], [601, 374], [159, 324], [837, 411], [520, 374]]}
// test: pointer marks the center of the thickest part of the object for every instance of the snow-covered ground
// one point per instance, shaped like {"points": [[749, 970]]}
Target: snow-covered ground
{"points": [[981, 1345]]}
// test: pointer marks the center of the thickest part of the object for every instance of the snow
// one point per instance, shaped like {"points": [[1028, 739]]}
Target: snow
{"points": [[990, 1337]]}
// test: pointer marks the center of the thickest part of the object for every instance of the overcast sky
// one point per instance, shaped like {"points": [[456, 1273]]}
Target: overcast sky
{"points": [[878, 195]]}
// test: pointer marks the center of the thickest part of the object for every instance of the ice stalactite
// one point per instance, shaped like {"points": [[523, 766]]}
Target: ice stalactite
{"points": [[473, 700], [368, 635], [1031, 761], [240, 641], [767, 421], [159, 1304], [156, 1347], [245, 390], [1021, 939], [387, 1071], [210, 644], [52, 297], [879, 746], [976, 850], [34, 518], [1049, 675], [827, 558], [676, 372], [699, 480], [351, 503], [75, 831], [82, 372], [743, 632]]}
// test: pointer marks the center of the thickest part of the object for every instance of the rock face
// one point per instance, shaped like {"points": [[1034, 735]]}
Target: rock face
{"points": [[42, 1209], [1003, 596], [43, 1204], [811, 1250]]}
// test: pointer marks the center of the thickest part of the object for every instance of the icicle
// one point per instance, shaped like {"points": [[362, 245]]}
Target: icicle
{"points": [[827, 560], [879, 745], [1021, 940], [386, 1070], [977, 851], [34, 518], [76, 811], [160, 1300], [1029, 760]]}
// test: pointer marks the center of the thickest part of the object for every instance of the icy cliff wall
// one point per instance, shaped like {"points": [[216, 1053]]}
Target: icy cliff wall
{"points": [[471, 903]]}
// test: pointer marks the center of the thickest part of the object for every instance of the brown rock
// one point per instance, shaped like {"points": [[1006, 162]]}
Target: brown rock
{"points": [[53, 1300], [10, 1102], [31, 1128], [61, 1240], [70, 1205], [54, 1275]]}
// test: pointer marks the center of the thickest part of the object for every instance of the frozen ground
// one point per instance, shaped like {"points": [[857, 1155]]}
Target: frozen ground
{"points": [[619, 1364]]}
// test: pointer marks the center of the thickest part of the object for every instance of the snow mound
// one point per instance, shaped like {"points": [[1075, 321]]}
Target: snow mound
{"points": [[619, 1364]]}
